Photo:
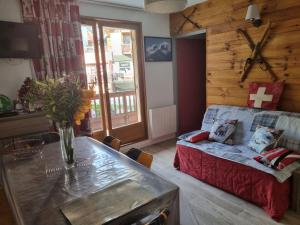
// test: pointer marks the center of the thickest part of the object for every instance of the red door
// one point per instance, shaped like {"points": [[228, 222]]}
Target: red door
{"points": [[191, 61]]}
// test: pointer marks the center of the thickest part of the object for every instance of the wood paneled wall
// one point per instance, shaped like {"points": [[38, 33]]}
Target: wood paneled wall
{"points": [[227, 50]]}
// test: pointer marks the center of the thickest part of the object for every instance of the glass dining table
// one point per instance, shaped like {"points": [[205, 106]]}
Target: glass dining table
{"points": [[39, 188]]}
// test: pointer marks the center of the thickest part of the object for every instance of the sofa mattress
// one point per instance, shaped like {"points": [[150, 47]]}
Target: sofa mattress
{"points": [[246, 182]]}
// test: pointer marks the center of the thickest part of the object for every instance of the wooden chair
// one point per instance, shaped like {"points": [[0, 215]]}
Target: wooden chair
{"points": [[161, 219], [6, 214], [156, 219], [112, 142], [141, 157]]}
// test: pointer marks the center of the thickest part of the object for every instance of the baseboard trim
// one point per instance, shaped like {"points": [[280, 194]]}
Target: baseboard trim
{"points": [[147, 142]]}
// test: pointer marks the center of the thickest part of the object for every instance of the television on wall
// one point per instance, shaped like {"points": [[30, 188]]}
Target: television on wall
{"points": [[19, 40]]}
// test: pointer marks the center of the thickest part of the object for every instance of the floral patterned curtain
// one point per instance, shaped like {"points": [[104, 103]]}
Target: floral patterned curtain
{"points": [[60, 31]]}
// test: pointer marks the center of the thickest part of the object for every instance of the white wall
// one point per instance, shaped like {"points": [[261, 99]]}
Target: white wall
{"points": [[12, 71], [158, 75]]}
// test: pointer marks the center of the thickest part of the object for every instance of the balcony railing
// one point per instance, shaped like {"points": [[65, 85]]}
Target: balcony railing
{"points": [[123, 110]]}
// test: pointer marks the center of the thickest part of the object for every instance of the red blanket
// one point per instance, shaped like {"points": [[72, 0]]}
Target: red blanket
{"points": [[245, 182]]}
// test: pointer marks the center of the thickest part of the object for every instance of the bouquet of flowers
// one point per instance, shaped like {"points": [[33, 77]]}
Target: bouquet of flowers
{"points": [[65, 102]]}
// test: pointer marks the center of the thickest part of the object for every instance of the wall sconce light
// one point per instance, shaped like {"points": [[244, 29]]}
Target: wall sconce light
{"points": [[253, 15]]}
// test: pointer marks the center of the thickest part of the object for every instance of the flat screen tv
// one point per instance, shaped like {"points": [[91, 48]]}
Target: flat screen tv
{"points": [[19, 40]]}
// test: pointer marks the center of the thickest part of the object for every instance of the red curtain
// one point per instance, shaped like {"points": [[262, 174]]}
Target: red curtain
{"points": [[60, 33], [61, 40]]}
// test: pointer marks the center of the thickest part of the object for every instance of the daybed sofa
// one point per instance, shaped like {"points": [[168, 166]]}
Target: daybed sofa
{"points": [[232, 167]]}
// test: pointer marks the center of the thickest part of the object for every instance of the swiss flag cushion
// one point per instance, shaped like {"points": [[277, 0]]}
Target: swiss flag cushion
{"points": [[278, 158], [265, 95]]}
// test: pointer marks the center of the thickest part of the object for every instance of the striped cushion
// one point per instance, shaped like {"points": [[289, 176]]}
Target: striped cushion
{"points": [[199, 136], [278, 158]]}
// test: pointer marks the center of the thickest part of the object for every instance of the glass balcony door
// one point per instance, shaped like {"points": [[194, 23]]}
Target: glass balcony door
{"points": [[94, 78], [119, 109]]}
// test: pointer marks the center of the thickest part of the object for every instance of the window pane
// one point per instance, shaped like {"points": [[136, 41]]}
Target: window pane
{"points": [[122, 75], [91, 72]]}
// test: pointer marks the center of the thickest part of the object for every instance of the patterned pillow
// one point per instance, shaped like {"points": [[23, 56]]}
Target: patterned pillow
{"points": [[264, 138], [278, 158], [222, 131]]}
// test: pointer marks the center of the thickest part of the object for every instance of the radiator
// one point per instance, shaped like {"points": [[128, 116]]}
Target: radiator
{"points": [[162, 121]]}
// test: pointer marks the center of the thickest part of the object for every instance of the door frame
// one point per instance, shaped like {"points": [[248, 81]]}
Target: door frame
{"points": [[99, 134], [121, 132], [174, 66]]}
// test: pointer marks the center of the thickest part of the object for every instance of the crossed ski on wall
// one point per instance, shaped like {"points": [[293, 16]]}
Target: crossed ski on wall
{"points": [[188, 19], [256, 55]]}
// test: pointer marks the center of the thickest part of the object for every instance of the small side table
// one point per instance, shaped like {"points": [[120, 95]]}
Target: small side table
{"points": [[296, 191]]}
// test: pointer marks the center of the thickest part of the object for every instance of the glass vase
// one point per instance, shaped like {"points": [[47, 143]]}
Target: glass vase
{"points": [[67, 146]]}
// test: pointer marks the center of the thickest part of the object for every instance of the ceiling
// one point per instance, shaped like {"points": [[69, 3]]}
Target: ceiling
{"points": [[139, 4]]}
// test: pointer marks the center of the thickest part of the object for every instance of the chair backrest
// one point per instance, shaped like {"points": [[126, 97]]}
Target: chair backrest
{"points": [[141, 157], [160, 218], [112, 142]]}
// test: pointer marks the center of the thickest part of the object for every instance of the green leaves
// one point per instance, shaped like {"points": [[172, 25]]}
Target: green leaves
{"points": [[61, 98]]}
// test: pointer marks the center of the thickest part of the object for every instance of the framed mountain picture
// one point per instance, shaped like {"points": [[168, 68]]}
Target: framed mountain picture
{"points": [[158, 49]]}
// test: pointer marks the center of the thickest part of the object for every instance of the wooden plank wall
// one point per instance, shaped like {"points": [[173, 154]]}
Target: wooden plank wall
{"points": [[227, 50]]}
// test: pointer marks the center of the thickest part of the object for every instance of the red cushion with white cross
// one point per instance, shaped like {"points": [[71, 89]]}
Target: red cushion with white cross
{"points": [[265, 95]]}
